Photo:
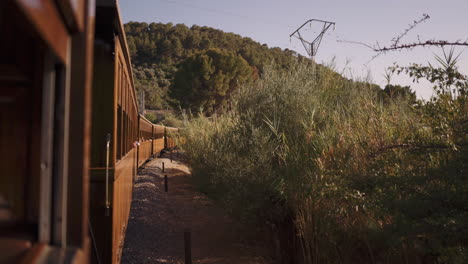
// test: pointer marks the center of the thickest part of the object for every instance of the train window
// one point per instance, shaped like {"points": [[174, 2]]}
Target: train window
{"points": [[129, 115], [20, 123], [119, 113], [130, 123], [122, 109], [124, 130], [132, 126], [119, 132], [129, 94], [60, 155]]}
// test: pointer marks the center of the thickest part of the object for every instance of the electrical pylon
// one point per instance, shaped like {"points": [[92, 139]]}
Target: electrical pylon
{"points": [[312, 47]]}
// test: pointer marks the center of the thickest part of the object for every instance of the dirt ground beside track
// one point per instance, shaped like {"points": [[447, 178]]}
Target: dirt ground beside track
{"points": [[155, 232]]}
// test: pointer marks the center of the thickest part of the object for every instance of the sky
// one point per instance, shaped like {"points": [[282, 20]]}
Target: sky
{"points": [[365, 21]]}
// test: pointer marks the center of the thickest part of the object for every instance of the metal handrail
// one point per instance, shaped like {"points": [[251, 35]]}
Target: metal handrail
{"points": [[108, 139]]}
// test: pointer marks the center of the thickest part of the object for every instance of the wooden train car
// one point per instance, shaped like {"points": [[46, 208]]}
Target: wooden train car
{"points": [[45, 86], [71, 136], [115, 118], [153, 139], [122, 140], [158, 138], [145, 144]]}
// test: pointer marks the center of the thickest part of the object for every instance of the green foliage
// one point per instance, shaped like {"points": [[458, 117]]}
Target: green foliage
{"points": [[445, 77], [151, 117], [154, 83], [396, 92], [170, 119], [360, 181], [206, 79], [160, 48]]}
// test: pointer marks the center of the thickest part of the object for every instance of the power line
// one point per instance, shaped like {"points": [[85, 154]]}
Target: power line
{"points": [[219, 11]]}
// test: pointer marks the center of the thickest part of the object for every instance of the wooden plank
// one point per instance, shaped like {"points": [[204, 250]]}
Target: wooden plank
{"points": [[47, 21], [109, 231], [159, 131], [158, 145], [80, 132], [146, 129], [144, 152], [121, 202], [100, 224]]}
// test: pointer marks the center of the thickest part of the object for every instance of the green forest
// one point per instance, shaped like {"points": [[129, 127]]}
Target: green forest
{"points": [[158, 50], [199, 67], [337, 170]]}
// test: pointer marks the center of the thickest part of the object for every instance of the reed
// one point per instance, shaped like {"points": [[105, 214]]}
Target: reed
{"points": [[362, 180]]}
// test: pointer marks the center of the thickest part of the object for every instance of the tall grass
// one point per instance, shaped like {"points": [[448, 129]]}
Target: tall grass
{"points": [[337, 174]]}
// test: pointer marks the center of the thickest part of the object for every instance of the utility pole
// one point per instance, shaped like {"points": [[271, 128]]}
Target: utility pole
{"points": [[312, 47]]}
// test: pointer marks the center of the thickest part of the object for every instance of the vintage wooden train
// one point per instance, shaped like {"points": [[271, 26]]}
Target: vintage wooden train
{"points": [[71, 136]]}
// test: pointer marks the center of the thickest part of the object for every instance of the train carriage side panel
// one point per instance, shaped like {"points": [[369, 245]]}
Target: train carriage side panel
{"points": [[145, 138], [158, 141], [126, 167], [37, 63], [169, 133], [83, 17], [103, 123]]}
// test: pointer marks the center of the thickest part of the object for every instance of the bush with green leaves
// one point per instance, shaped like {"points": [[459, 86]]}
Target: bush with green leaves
{"points": [[207, 79], [359, 180], [171, 119], [151, 117]]}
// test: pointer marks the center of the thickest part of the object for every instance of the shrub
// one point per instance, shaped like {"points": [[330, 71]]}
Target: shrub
{"points": [[358, 180], [151, 117]]}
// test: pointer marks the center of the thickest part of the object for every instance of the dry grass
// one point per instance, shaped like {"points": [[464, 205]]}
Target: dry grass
{"points": [[356, 175]]}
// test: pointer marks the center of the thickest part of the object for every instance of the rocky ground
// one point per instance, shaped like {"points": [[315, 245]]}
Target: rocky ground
{"points": [[155, 232]]}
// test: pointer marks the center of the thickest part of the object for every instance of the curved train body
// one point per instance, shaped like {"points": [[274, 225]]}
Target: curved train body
{"points": [[71, 135]]}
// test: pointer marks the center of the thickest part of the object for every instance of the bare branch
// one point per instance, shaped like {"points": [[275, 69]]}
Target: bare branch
{"points": [[395, 44], [396, 40], [439, 43]]}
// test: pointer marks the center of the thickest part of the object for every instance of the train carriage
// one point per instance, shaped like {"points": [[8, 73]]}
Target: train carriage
{"points": [[122, 140], [145, 142], [71, 136], [115, 118], [45, 74]]}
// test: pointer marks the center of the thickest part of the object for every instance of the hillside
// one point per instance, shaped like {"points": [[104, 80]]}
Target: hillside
{"points": [[157, 49]]}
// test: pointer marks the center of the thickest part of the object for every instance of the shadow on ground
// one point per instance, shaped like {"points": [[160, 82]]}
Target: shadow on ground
{"points": [[155, 232]]}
